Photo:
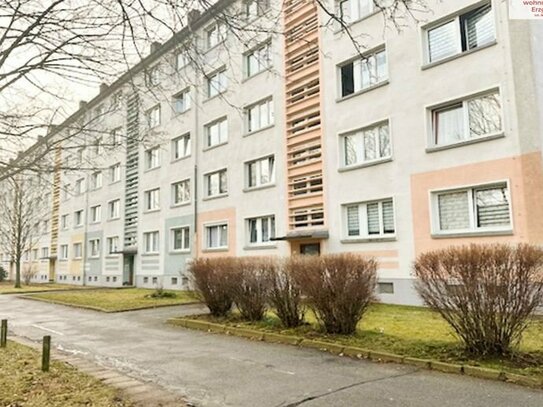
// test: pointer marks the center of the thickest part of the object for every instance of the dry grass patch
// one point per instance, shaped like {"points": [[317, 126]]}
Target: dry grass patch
{"points": [[7, 287]]}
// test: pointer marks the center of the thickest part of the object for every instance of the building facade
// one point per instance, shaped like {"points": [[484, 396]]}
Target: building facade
{"points": [[304, 138]]}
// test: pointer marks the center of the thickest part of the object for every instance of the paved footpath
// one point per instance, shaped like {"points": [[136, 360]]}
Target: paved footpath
{"points": [[216, 370]]}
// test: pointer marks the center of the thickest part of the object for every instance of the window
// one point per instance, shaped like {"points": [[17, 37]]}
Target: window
{"points": [[78, 250], [216, 183], [114, 209], [145, 280], [34, 254], [354, 10], [174, 280], [78, 218], [484, 208], [370, 219], [255, 8], [153, 76], [117, 101], [261, 230], [215, 35], [259, 115], [64, 222], [152, 158], [258, 60], [152, 199], [63, 252], [364, 73], [216, 132], [180, 239], [385, 288], [181, 192], [153, 117], [96, 213], [80, 186], [116, 137], [94, 247], [181, 101], [115, 173], [150, 242], [80, 155], [261, 172], [181, 147], [461, 33], [467, 119], [217, 236], [366, 145], [155, 280], [66, 192], [46, 225], [181, 59], [112, 245], [96, 180], [44, 252], [98, 147], [307, 217], [217, 82]]}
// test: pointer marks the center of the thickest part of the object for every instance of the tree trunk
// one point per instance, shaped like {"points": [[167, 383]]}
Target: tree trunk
{"points": [[17, 274]]}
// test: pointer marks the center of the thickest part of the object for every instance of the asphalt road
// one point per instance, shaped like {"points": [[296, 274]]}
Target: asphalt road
{"points": [[215, 370]]}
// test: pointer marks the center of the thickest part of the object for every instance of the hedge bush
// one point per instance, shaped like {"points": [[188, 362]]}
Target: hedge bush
{"points": [[251, 286], [285, 294]]}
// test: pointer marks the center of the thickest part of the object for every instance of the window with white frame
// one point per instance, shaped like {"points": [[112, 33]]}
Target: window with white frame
{"points": [[153, 76], [116, 136], [255, 8], [64, 222], [216, 183], [115, 173], [94, 247], [181, 192], [260, 172], [471, 118], [481, 208], [216, 236], [78, 250], [215, 34], [261, 230], [370, 219], [180, 239], [152, 158], [96, 213], [216, 132], [152, 199], [46, 226], [461, 33], [63, 255], [181, 101], [258, 59], [114, 209], [80, 186], [259, 115], [217, 82], [96, 180], [98, 146], [181, 147], [34, 254], [366, 145], [181, 59], [112, 245], [151, 242], [354, 10], [363, 73], [66, 192], [44, 252], [153, 117], [78, 218]]}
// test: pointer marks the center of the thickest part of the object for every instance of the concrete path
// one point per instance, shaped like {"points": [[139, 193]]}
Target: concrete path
{"points": [[215, 370]]}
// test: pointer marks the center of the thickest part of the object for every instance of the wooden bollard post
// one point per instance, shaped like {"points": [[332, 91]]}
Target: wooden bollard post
{"points": [[46, 354], [4, 334]]}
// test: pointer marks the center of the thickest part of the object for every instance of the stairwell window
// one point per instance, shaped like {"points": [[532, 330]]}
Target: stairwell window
{"points": [[216, 236], [354, 10], [216, 183], [152, 158], [259, 115], [216, 133], [181, 147], [180, 238], [181, 192], [258, 60], [94, 247], [461, 33], [261, 230], [366, 145], [152, 199], [485, 208], [260, 172], [372, 219], [468, 119], [151, 242], [364, 73], [217, 82], [114, 209]]}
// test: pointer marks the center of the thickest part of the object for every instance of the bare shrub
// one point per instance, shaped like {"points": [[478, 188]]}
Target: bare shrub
{"points": [[29, 272], [285, 295], [213, 280], [3, 274], [251, 287], [339, 288], [485, 292]]}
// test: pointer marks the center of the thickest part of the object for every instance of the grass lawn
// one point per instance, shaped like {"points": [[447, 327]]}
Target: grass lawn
{"points": [[411, 331], [6, 287], [115, 300], [22, 383]]}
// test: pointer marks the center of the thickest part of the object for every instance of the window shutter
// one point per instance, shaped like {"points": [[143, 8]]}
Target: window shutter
{"points": [[442, 41], [353, 221], [388, 217], [373, 218], [492, 207]]}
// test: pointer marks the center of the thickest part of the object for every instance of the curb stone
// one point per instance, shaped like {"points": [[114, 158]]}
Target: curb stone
{"points": [[326, 346], [446, 367], [484, 373]]}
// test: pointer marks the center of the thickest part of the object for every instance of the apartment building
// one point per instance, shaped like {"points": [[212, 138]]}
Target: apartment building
{"points": [[382, 142]]}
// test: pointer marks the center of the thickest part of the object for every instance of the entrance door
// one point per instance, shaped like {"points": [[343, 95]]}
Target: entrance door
{"points": [[52, 270], [310, 249], [128, 270]]}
